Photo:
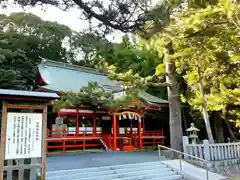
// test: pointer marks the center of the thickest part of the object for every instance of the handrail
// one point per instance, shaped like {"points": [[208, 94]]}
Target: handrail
{"points": [[186, 155], [179, 152]]}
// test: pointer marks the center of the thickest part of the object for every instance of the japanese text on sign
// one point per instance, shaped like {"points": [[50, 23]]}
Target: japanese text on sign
{"points": [[23, 136]]}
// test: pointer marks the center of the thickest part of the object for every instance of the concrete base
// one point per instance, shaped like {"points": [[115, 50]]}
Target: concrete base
{"points": [[192, 172]]}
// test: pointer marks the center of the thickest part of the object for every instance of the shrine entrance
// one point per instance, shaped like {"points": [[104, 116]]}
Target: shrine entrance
{"points": [[101, 129], [126, 131], [129, 130]]}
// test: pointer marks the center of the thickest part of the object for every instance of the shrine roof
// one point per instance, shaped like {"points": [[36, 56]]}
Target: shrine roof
{"points": [[59, 76], [11, 92], [151, 99]]}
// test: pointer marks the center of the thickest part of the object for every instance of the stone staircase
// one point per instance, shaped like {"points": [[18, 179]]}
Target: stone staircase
{"points": [[140, 171]]}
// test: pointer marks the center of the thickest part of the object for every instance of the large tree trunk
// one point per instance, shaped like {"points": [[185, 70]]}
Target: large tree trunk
{"points": [[175, 118], [230, 130], [218, 123], [228, 125], [204, 105], [205, 115]]}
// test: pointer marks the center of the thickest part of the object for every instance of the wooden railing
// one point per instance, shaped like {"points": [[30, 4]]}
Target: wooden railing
{"points": [[153, 133], [213, 152], [65, 140], [72, 134], [147, 132], [151, 138], [83, 139]]}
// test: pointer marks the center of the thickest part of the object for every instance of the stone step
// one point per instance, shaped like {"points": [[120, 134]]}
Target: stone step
{"points": [[171, 177], [107, 168], [155, 170], [115, 170], [113, 175]]}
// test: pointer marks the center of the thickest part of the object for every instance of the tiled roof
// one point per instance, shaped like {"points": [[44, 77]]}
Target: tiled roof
{"points": [[63, 77], [10, 92], [151, 99]]}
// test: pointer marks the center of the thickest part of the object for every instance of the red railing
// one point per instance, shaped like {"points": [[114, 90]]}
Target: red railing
{"points": [[83, 139], [66, 140], [146, 133], [72, 133], [153, 133], [153, 138], [149, 138]]}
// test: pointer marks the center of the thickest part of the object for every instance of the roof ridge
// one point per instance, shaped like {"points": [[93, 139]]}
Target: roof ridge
{"points": [[70, 66]]}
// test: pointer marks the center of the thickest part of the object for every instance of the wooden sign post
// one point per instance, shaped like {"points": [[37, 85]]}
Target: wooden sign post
{"points": [[23, 134]]}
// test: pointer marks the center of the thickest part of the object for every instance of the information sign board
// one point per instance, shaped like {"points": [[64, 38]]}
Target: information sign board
{"points": [[23, 135]]}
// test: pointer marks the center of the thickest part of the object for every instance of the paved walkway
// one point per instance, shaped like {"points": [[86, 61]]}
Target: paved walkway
{"points": [[192, 172], [57, 163]]}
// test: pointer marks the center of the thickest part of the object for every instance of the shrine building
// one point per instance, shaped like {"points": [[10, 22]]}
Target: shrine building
{"points": [[85, 126]]}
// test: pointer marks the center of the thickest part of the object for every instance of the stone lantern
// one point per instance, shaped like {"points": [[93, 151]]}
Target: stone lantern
{"points": [[59, 128], [193, 133]]}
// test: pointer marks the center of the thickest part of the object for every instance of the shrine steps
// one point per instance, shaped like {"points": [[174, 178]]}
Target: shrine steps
{"points": [[139, 171]]}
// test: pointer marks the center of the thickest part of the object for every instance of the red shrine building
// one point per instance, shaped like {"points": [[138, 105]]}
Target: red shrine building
{"points": [[95, 127]]}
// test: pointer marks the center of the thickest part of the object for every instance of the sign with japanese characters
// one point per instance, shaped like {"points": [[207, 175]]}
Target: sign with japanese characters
{"points": [[23, 136]]}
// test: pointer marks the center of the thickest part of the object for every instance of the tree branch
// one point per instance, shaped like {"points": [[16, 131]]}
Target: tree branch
{"points": [[159, 84], [105, 20], [205, 28]]}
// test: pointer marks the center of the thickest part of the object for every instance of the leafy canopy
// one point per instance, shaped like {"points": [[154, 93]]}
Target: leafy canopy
{"points": [[206, 44], [94, 95], [109, 15], [23, 38]]}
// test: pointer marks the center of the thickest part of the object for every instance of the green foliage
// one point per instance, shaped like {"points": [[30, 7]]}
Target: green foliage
{"points": [[23, 39], [137, 56], [16, 69], [90, 46], [236, 112], [36, 36], [94, 95], [206, 45], [132, 61], [106, 16]]}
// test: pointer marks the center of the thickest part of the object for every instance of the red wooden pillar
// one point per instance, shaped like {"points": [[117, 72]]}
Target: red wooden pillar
{"points": [[114, 132], [140, 133], [77, 123], [94, 125]]}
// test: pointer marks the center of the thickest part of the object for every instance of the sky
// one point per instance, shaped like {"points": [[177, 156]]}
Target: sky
{"points": [[50, 13], [69, 18]]}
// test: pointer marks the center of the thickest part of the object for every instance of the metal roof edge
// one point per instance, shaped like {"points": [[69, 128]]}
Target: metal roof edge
{"points": [[47, 62], [12, 92], [43, 89], [144, 94]]}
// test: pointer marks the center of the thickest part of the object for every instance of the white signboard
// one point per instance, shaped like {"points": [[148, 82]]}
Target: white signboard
{"points": [[23, 136]]}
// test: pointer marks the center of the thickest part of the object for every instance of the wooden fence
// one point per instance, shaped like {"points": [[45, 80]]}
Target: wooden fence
{"points": [[213, 152], [22, 169]]}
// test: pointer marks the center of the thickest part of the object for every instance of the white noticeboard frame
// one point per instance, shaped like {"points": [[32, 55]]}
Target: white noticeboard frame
{"points": [[23, 135]]}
